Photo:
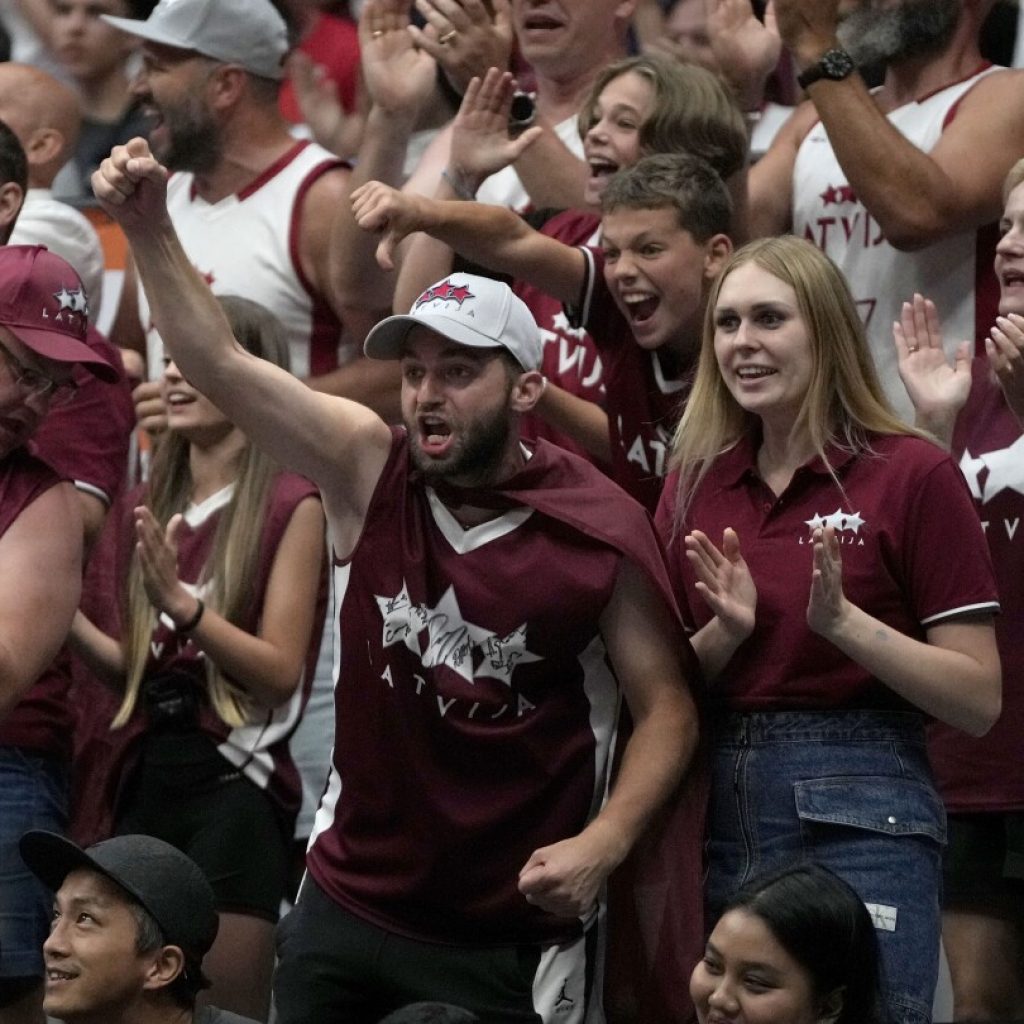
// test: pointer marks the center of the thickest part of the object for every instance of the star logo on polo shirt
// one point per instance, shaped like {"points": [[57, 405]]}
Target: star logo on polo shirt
{"points": [[441, 635], [838, 520]]}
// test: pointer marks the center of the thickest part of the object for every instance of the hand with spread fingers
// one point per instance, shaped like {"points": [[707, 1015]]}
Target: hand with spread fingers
{"points": [[399, 74], [1005, 349], [724, 581], [937, 387], [466, 37], [745, 48], [481, 144], [317, 96]]}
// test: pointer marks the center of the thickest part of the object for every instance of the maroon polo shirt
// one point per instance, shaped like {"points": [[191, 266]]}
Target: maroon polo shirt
{"points": [[913, 556]]}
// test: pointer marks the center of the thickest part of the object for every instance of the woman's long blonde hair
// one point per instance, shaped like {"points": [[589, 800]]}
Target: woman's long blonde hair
{"points": [[844, 403], [231, 568]]}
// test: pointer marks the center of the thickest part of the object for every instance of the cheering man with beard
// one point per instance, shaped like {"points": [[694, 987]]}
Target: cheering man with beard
{"points": [[493, 602], [897, 185]]}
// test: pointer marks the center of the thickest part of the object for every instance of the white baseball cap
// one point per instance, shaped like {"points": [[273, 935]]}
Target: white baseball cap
{"points": [[250, 33], [470, 310]]}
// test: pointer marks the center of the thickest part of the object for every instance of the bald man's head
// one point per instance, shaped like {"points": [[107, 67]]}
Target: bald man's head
{"points": [[44, 114]]}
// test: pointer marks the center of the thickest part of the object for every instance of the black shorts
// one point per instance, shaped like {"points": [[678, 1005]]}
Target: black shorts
{"points": [[983, 864], [224, 822], [334, 966]]}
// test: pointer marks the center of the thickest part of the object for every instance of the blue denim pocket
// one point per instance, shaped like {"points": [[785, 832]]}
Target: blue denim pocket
{"points": [[881, 803]]}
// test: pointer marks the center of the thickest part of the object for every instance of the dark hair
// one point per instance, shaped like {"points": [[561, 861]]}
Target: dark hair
{"points": [[149, 937], [675, 181], [430, 1013], [13, 171], [13, 162], [823, 924]]}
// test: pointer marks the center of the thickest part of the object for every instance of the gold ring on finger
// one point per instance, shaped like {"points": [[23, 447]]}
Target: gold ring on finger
{"points": [[447, 37]]}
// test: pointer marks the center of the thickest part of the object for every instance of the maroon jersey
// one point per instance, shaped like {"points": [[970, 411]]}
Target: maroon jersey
{"points": [[259, 750], [475, 709], [570, 357], [985, 774], [85, 441], [913, 555], [643, 403]]}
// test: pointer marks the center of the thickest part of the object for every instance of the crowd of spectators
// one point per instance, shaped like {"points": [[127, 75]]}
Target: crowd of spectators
{"points": [[537, 536]]}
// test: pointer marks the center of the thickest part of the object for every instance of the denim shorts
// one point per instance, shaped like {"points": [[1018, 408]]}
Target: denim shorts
{"points": [[851, 790], [33, 794]]}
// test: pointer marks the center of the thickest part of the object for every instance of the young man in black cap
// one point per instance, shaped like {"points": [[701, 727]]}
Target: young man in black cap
{"points": [[133, 918]]}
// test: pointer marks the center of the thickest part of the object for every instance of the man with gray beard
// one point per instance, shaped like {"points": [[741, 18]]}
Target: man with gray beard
{"points": [[901, 185]]}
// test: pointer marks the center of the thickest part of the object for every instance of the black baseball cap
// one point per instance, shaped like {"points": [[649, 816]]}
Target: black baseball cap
{"points": [[155, 874]]}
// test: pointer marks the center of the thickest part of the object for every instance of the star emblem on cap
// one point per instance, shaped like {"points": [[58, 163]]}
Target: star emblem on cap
{"points": [[445, 291], [73, 301]]}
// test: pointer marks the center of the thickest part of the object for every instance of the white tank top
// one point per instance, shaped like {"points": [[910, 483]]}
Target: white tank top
{"points": [[247, 245], [955, 272]]}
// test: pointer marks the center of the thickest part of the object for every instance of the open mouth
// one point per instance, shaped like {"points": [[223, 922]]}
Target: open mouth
{"points": [[1012, 278], [540, 23], [640, 308], [601, 170], [55, 977], [753, 373], [435, 435], [176, 399]]}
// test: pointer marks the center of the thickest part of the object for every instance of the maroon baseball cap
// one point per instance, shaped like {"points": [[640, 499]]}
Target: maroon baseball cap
{"points": [[43, 304]]}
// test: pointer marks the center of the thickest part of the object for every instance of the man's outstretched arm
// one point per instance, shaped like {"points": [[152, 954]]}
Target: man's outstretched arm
{"points": [[492, 236], [339, 444]]}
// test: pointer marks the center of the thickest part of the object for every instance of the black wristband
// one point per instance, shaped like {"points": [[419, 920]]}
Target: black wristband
{"points": [[189, 626]]}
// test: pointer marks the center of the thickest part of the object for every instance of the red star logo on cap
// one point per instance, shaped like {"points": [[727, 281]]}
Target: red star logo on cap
{"points": [[445, 291]]}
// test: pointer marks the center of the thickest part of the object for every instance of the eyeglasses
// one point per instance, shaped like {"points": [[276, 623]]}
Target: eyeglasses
{"points": [[36, 384]]}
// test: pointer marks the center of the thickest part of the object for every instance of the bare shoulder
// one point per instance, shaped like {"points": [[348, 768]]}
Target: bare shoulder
{"points": [[319, 208]]}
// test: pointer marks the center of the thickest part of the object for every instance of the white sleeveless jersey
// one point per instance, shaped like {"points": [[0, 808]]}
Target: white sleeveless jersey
{"points": [[955, 272], [247, 245]]}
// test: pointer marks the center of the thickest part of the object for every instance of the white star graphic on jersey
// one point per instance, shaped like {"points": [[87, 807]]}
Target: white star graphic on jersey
{"points": [[971, 469], [501, 655], [1005, 471], [815, 523], [396, 612], [450, 637], [451, 640], [560, 322]]}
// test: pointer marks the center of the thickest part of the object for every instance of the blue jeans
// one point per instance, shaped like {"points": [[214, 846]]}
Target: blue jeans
{"points": [[851, 790], [33, 794]]}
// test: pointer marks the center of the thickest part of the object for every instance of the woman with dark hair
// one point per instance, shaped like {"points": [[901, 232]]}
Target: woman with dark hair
{"points": [[852, 597], [792, 947]]}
